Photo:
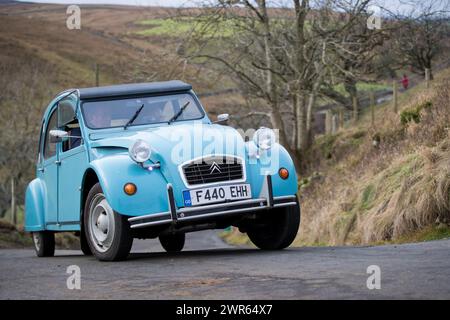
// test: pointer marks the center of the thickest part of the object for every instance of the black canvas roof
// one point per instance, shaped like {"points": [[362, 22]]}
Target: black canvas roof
{"points": [[134, 89]]}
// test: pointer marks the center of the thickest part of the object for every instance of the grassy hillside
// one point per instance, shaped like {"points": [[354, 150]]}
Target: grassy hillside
{"points": [[398, 189]]}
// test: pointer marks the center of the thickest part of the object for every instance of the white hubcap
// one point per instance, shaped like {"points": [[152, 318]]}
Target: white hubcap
{"points": [[101, 223], [36, 240]]}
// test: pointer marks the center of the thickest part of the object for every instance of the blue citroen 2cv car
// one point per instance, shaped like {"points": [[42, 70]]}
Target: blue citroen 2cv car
{"points": [[144, 161]]}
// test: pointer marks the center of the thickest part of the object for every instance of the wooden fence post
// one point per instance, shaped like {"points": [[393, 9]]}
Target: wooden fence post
{"points": [[372, 107], [334, 123], [355, 109], [427, 78], [13, 202], [328, 119], [97, 75], [395, 95], [341, 118]]}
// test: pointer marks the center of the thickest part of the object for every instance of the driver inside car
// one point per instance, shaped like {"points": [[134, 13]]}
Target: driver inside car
{"points": [[97, 118], [152, 113]]}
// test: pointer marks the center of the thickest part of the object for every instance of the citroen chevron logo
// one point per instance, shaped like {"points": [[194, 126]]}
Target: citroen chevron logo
{"points": [[214, 167]]}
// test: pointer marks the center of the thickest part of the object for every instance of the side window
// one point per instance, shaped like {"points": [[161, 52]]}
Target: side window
{"points": [[50, 148]]}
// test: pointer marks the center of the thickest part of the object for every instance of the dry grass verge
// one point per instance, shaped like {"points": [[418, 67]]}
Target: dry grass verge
{"points": [[373, 194], [16, 237]]}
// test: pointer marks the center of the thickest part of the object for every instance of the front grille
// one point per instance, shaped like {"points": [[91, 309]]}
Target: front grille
{"points": [[213, 169]]}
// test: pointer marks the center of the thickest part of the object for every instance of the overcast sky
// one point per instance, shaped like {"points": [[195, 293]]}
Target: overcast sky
{"points": [[392, 5]]}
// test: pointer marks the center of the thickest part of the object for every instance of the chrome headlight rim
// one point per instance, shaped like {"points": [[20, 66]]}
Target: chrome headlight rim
{"points": [[140, 151], [264, 138]]}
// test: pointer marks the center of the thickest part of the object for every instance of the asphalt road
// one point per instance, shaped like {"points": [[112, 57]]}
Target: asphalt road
{"points": [[211, 269]]}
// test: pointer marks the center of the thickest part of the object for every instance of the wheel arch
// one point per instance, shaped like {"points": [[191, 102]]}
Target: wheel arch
{"points": [[270, 163], [35, 206], [90, 178], [115, 171]]}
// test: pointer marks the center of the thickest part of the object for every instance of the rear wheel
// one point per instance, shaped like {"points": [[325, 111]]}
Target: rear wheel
{"points": [[173, 242], [277, 229], [44, 243], [107, 232]]}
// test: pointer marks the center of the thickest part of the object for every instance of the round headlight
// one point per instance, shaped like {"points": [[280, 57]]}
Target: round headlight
{"points": [[264, 138], [140, 151]]}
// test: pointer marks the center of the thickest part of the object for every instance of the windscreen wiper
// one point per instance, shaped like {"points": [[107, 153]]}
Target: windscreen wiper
{"points": [[136, 114], [175, 117]]}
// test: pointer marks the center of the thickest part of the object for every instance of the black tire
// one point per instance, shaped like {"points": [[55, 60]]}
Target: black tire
{"points": [[44, 243], [278, 228], [122, 239], [173, 242], [84, 245]]}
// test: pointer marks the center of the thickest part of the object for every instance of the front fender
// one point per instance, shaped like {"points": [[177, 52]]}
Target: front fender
{"points": [[115, 171], [34, 206], [269, 162]]}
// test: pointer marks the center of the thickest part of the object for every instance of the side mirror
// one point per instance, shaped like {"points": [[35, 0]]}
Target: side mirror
{"points": [[58, 136], [222, 118]]}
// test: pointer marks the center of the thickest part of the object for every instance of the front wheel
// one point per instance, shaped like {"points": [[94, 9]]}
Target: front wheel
{"points": [[107, 232], [277, 229], [44, 243], [173, 242]]}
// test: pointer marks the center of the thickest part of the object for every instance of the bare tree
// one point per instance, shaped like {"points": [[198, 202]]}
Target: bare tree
{"points": [[281, 54], [421, 34], [249, 53], [24, 93], [352, 53]]}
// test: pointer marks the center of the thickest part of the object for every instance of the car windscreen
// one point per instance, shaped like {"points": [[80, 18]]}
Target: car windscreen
{"points": [[100, 114]]}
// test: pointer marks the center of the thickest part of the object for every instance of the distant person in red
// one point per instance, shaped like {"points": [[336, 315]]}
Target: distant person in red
{"points": [[405, 82]]}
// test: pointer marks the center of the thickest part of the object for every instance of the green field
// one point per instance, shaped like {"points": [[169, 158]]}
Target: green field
{"points": [[363, 87], [175, 27]]}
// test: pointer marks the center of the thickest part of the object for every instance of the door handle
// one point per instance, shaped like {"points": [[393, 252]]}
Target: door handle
{"points": [[58, 162], [41, 169]]}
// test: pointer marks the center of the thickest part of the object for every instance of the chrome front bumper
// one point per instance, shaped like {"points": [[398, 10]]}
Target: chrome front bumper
{"points": [[266, 200]]}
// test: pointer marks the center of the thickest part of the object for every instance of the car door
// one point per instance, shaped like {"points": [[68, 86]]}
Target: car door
{"points": [[72, 164], [48, 171]]}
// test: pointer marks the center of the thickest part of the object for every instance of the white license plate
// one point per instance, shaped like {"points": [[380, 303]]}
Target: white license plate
{"points": [[216, 194]]}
